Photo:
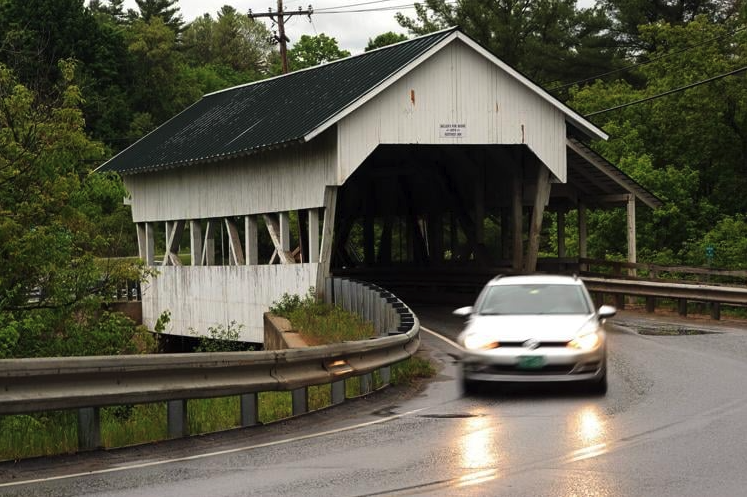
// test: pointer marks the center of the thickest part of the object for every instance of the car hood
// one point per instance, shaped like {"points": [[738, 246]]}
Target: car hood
{"points": [[550, 327]]}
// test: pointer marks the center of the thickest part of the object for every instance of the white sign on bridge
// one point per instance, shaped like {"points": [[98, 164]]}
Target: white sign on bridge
{"points": [[452, 130]]}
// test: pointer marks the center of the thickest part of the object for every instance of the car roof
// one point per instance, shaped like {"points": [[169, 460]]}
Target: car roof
{"points": [[536, 279]]}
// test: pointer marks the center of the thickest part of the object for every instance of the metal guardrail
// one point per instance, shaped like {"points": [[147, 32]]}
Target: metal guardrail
{"points": [[88, 383], [716, 295]]}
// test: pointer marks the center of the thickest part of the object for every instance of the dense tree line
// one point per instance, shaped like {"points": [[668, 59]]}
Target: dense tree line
{"points": [[81, 81]]}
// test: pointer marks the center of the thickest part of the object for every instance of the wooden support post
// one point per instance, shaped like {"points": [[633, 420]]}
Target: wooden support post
{"points": [[716, 310], [195, 242], [328, 229], [582, 235], [453, 236], [313, 235], [541, 197], [251, 240], [284, 219], [141, 239], [561, 232], [235, 252], [174, 231], [177, 418], [249, 409], [208, 248], [385, 244], [146, 243], [631, 234], [517, 251], [435, 238], [480, 208], [89, 428], [505, 234], [368, 239], [280, 241]]}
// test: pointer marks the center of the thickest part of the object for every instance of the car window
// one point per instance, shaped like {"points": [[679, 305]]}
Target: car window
{"points": [[534, 299]]}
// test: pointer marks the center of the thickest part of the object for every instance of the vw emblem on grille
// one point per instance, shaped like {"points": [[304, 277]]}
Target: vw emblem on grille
{"points": [[531, 344]]}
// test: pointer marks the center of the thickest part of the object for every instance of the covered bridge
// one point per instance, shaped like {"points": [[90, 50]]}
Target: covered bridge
{"points": [[395, 156]]}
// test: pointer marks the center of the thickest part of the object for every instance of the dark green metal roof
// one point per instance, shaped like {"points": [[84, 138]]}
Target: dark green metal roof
{"points": [[268, 113]]}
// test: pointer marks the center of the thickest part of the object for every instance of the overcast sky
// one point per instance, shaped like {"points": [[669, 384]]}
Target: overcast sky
{"points": [[352, 30]]}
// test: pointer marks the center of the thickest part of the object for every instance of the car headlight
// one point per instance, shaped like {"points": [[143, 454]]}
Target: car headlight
{"points": [[480, 342], [587, 341]]}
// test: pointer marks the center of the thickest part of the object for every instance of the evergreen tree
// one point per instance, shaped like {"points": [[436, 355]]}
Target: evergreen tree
{"points": [[167, 10]]}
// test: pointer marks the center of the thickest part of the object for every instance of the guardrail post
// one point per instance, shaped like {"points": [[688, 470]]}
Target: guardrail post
{"points": [[300, 400], [249, 409], [177, 418], [366, 383], [650, 304], [338, 392], [328, 291], [89, 428], [682, 307], [716, 310], [620, 301], [345, 295], [337, 285], [386, 375]]}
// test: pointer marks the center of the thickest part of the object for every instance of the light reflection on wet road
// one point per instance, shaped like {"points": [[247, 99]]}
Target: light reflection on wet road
{"points": [[672, 424]]}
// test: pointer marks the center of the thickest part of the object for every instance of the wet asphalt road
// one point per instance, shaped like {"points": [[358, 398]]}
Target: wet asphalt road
{"points": [[674, 423]]}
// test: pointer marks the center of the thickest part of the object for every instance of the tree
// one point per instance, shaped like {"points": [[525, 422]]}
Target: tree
{"points": [[50, 283], [233, 41], [690, 147], [384, 39], [629, 15], [310, 51], [549, 40], [166, 10]]}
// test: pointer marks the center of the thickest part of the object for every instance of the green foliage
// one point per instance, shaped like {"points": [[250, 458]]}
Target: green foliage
{"points": [[409, 370], [221, 338], [311, 51], [320, 323], [548, 39], [384, 39]]}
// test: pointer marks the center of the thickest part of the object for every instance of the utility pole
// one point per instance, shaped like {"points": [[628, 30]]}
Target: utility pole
{"points": [[280, 17]]}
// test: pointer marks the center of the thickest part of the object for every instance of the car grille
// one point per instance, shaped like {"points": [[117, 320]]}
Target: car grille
{"points": [[550, 369], [541, 344]]}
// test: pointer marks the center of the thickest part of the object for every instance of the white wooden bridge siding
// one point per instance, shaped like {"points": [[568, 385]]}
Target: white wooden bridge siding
{"points": [[199, 297], [285, 179], [455, 86]]}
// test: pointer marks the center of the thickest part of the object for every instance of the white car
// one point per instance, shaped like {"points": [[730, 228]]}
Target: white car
{"points": [[535, 329]]}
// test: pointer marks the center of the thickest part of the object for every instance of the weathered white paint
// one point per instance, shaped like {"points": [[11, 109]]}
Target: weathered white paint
{"points": [[455, 86], [199, 297], [286, 179]]}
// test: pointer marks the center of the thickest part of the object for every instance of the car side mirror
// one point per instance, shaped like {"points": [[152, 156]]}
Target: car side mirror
{"points": [[606, 311], [463, 312]]}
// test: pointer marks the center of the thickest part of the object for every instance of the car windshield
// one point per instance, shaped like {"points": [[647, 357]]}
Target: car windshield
{"points": [[534, 299]]}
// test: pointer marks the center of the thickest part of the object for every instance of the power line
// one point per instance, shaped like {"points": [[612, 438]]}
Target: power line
{"points": [[352, 5], [681, 88], [375, 9], [654, 59]]}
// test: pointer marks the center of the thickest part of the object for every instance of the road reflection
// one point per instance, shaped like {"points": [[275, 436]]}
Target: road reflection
{"points": [[589, 431], [479, 450]]}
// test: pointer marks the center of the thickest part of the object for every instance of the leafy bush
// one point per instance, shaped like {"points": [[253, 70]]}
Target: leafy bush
{"points": [[320, 323], [221, 339]]}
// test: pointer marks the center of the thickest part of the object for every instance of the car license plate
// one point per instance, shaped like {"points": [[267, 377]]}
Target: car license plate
{"points": [[531, 362]]}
